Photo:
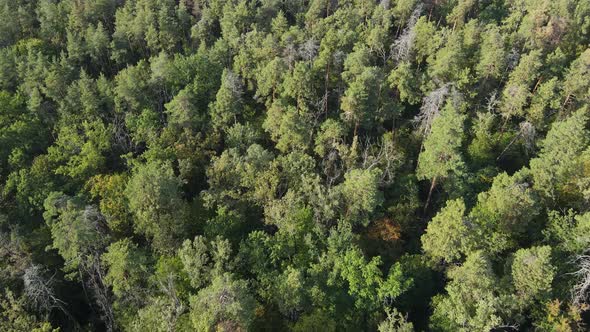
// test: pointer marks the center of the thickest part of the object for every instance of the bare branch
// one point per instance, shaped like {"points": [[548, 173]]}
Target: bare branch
{"points": [[39, 290], [581, 288], [430, 108], [309, 49], [401, 49]]}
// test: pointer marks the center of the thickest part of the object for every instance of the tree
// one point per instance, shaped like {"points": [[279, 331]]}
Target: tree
{"points": [[575, 88], [361, 194], [227, 107], [290, 292], [203, 260], [441, 157], [110, 190], [155, 200], [471, 301], [543, 102], [504, 213], [288, 127], [492, 58], [533, 273], [448, 63], [127, 266], [407, 84], [459, 12], [81, 155], [40, 291], [77, 230], [232, 173], [517, 91], [315, 322], [159, 315], [360, 102], [559, 167], [16, 318], [449, 235], [78, 234], [395, 322], [225, 305]]}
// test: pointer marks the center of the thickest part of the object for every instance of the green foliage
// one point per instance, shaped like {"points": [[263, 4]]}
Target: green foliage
{"points": [[533, 273], [441, 157], [126, 266], [14, 316], [449, 235], [517, 91], [110, 189], [75, 229], [160, 315], [203, 261], [228, 104], [471, 301], [403, 79], [492, 55], [155, 200], [559, 172], [352, 165], [575, 88], [225, 305], [504, 213], [361, 194]]}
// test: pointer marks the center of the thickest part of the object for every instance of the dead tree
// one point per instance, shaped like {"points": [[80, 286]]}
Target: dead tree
{"points": [[582, 274], [431, 105], [401, 49], [39, 290]]}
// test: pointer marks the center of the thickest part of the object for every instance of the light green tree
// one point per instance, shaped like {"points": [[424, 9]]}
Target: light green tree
{"points": [[449, 235], [225, 305], [441, 158], [533, 273], [160, 213]]}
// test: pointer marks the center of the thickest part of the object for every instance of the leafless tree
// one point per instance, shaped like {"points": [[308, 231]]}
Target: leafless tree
{"points": [[401, 49], [527, 133], [177, 307], [290, 54], [430, 108], [507, 327], [92, 275], [91, 270], [39, 290], [581, 288], [332, 166], [309, 50], [492, 101], [386, 4], [235, 85], [512, 59], [122, 138], [382, 154], [12, 252]]}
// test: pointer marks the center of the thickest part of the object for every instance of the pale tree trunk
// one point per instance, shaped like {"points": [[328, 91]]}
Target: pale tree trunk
{"points": [[432, 185]]}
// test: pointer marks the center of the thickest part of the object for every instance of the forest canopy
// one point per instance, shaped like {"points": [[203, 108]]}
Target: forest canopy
{"points": [[294, 165]]}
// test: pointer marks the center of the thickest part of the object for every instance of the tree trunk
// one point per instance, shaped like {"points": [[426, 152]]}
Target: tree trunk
{"points": [[432, 185], [326, 84]]}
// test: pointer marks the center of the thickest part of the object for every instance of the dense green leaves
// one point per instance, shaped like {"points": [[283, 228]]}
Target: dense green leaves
{"points": [[155, 200], [352, 165]]}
